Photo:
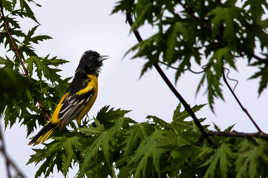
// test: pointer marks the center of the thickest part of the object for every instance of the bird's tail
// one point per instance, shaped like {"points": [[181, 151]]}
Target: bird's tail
{"points": [[43, 134]]}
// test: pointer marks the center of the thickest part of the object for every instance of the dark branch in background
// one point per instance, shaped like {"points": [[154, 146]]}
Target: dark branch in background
{"points": [[239, 134], [8, 161], [16, 51], [3, 150], [171, 87], [240, 104], [259, 134]]}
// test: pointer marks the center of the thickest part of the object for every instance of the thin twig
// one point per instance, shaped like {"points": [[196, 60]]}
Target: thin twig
{"points": [[170, 85], [8, 161], [240, 104], [176, 68], [239, 134], [3, 150], [16, 51], [232, 79]]}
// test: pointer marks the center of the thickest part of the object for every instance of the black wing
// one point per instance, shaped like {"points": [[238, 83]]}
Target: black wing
{"points": [[76, 101]]}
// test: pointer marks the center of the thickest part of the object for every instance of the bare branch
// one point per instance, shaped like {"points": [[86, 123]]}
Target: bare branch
{"points": [[170, 85], [8, 161], [3, 150], [240, 104]]}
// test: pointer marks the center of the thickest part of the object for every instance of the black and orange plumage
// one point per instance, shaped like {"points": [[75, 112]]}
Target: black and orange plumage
{"points": [[78, 98]]}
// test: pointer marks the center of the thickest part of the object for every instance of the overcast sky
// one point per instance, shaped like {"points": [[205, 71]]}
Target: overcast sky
{"points": [[80, 25]]}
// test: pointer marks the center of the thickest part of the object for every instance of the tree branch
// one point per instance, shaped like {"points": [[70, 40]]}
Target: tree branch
{"points": [[169, 84], [13, 44], [240, 104], [8, 161], [239, 134], [3, 150], [16, 51]]}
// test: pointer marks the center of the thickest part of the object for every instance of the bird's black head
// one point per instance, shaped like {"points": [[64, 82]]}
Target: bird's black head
{"points": [[90, 62]]}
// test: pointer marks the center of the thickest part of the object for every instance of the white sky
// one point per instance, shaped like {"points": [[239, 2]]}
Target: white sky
{"points": [[80, 25]]}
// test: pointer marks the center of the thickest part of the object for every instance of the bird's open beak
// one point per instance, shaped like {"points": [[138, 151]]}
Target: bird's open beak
{"points": [[104, 57]]}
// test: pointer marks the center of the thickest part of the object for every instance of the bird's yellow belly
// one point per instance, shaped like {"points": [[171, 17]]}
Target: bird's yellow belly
{"points": [[91, 101]]}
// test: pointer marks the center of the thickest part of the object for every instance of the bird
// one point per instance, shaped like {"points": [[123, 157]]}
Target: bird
{"points": [[78, 98]]}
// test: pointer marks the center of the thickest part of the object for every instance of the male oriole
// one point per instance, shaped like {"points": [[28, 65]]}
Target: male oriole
{"points": [[79, 97]]}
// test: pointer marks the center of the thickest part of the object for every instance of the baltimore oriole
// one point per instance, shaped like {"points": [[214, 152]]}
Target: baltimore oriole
{"points": [[79, 97]]}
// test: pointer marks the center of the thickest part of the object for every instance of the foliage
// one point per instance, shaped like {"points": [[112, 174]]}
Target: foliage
{"points": [[211, 34], [20, 93], [117, 146]]}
